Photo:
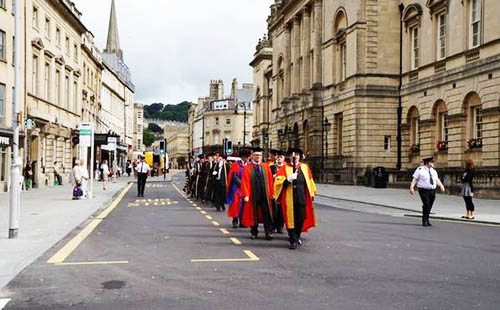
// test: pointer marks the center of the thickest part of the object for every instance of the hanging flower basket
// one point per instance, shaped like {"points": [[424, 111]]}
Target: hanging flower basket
{"points": [[442, 146], [415, 148], [475, 144]]}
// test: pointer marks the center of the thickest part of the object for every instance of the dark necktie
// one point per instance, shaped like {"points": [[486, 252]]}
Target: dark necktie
{"points": [[430, 176]]}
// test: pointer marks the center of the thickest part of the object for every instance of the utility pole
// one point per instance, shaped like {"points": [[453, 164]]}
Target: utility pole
{"points": [[15, 173]]}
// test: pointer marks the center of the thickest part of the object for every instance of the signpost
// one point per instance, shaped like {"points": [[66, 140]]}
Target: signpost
{"points": [[86, 140]]}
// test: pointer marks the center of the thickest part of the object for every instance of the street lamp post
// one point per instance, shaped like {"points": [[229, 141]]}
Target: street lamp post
{"points": [[326, 126]]}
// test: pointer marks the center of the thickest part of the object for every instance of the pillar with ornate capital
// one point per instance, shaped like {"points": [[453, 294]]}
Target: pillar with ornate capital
{"points": [[296, 55], [307, 48], [317, 77], [288, 60]]}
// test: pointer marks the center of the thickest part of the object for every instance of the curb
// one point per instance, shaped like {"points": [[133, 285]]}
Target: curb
{"points": [[371, 203], [455, 219]]}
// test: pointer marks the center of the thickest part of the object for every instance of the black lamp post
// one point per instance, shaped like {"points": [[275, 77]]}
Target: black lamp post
{"points": [[326, 128], [243, 104]]}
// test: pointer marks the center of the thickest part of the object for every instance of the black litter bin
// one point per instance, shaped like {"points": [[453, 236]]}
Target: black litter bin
{"points": [[380, 176]]}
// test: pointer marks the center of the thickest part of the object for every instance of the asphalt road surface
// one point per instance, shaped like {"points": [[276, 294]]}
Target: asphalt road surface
{"points": [[161, 252]]}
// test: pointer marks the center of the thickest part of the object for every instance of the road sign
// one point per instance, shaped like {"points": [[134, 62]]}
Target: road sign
{"points": [[112, 142], [85, 133]]}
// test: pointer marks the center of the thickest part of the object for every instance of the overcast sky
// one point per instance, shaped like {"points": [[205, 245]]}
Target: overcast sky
{"points": [[174, 48]]}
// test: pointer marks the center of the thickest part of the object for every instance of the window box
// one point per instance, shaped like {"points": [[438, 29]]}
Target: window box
{"points": [[475, 144], [442, 146], [415, 148]]}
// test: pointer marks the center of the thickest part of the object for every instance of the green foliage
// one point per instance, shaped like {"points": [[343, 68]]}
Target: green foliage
{"points": [[148, 138], [153, 127], [169, 112]]}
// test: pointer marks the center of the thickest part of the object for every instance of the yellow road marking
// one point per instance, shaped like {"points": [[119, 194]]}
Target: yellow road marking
{"points": [[198, 208], [203, 212], [251, 258], [66, 251], [92, 263], [215, 223], [224, 231], [209, 217], [194, 205], [235, 241]]}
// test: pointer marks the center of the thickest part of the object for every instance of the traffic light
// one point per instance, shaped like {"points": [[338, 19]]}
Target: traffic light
{"points": [[229, 147], [162, 147]]}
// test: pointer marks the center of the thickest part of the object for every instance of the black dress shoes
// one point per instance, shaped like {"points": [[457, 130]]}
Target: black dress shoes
{"points": [[424, 224], [269, 237], [293, 246]]}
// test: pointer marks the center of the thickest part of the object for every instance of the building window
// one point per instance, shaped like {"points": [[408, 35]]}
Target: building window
{"points": [[475, 23], [58, 37], [443, 119], [2, 45], [415, 135], [75, 50], [2, 4], [477, 122], [47, 81], [2, 103], [34, 80], [387, 143], [216, 121], [47, 28], [414, 48], [35, 17], [216, 139], [67, 45], [67, 89], [343, 61], [339, 128], [228, 121], [442, 31], [139, 115], [75, 95], [57, 91], [139, 127]]}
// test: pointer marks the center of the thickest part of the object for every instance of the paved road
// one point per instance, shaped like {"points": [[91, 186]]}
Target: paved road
{"points": [[352, 261]]}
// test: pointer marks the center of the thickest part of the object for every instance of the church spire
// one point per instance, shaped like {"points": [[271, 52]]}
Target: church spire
{"points": [[113, 43]]}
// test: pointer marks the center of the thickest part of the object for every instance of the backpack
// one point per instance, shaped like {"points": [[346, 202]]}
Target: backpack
{"points": [[77, 192]]}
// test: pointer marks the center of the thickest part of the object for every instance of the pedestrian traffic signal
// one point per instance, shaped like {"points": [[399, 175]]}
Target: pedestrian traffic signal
{"points": [[162, 147], [229, 147]]}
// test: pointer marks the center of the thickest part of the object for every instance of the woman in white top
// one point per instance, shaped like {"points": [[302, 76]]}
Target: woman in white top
{"points": [[105, 173]]}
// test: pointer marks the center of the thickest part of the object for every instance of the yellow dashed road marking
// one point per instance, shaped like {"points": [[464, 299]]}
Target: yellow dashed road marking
{"points": [[235, 241], [215, 223]]}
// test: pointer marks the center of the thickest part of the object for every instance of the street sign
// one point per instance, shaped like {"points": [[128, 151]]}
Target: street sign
{"points": [[112, 142], [85, 133], [29, 123]]}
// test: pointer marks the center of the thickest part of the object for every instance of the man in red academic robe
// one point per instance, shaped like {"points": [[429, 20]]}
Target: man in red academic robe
{"points": [[295, 188], [257, 191]]}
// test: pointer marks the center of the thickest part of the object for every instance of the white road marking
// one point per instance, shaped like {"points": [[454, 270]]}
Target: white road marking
{"points": [[4, 302]]}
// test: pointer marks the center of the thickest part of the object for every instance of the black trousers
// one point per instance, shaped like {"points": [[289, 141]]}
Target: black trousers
{"points": [[279, 221], [469, 205], [427, 196], [219, 195], [141, 182], [299, 215], [266, 214]]}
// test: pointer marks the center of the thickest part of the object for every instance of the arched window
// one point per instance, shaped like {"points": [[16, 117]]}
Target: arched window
{"points": [[413, 120], [340, 26], [472, 107], [440, 114], [257, 108]]}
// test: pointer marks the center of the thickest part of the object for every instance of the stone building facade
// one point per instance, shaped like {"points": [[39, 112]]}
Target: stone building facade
{"points": [[214, 119], [328, 79], [138, 127], [7, 57], [178, 147], [63, 74]]}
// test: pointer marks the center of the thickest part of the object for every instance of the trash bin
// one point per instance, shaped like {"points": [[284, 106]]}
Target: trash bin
{"points": [[380, 176]]}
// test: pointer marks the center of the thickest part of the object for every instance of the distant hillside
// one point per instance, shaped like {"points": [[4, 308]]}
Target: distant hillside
{"points": [[169, 112]]}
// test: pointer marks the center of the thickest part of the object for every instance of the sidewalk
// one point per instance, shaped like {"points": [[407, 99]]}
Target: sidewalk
{"points": [[399, 201], [47, 216]]}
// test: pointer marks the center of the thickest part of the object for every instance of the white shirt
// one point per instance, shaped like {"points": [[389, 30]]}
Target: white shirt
{"points": [[142, 167], [105, 169], [424, 177]]}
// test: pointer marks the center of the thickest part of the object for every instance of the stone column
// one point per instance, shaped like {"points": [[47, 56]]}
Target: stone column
{"points": [[288, 61], [296, 55], [306, 49], [317, 80]]}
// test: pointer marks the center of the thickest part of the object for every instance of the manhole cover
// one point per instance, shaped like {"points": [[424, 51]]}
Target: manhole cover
{"points": [[113, 285]]}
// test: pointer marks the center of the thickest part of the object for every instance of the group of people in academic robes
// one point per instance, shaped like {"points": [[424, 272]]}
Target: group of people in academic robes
{"points": [[277, 194]]}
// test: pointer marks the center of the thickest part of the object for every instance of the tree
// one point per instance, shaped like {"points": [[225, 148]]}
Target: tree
{"points": [[153, 127], [148, 138], [169, 112]]}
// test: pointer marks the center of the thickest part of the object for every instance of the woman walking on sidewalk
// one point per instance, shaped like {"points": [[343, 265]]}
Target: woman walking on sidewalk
{"points": [[467, 189], [105, 173]]}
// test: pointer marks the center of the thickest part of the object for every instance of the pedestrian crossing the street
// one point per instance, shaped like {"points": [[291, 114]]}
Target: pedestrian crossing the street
{"points": [[158, 202]]}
